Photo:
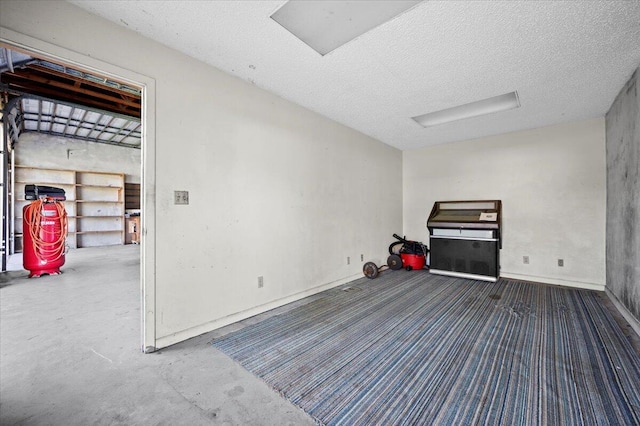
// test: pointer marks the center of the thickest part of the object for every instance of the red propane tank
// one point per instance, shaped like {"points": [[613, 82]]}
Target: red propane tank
{"points": [[416, 261], [44, 229]]}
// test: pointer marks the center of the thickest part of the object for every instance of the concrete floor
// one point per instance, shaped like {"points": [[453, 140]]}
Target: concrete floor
{"points": [[70, 355]]}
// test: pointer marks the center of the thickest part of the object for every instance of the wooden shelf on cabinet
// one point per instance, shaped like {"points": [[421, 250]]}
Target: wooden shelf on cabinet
{"points": [[98, 216], [22, 199], [102, 231], [78, 185], [99, 201], [45, 183]]}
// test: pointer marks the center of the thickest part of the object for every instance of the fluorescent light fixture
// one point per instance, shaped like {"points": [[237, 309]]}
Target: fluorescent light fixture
{"points": [[327, 25], [474, 109]]}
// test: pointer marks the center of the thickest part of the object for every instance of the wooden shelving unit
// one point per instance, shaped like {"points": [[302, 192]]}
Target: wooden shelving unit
{"points": [[95, 204]]}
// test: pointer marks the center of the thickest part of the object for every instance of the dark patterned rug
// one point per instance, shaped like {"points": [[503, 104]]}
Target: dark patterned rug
{"points": [[415, 348]]}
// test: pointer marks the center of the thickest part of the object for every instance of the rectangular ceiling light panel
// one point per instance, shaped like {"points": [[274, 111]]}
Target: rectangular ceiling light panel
{"points": [[474, 109], [327, 25]]}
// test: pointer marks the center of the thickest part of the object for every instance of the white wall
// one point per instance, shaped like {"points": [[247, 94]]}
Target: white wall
{"points": [[552, 185], [46, 151], [275, 190]]}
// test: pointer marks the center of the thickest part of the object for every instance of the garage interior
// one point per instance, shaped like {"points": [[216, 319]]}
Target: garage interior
{"points": [[297, 167], [56, 117]]}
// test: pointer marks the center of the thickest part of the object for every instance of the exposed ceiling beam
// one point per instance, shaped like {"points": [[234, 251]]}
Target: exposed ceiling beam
{"points": [[78, 82], [22, 85], [74, 86], [27, 78]]}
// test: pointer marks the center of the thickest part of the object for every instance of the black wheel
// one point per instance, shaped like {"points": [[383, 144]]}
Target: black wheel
{"points": [[370, 270], [395, 262], [409, 268]]}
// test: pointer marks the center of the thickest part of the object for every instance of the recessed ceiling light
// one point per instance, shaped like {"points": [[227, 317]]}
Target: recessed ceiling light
{"points": [[474, 109], [326, 25]]}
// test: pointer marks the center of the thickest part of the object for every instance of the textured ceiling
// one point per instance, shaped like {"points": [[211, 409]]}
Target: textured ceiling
{"points": [[567, 60]]}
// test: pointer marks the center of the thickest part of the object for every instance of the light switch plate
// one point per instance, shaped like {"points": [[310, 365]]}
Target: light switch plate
{"points": [[180, 197]]}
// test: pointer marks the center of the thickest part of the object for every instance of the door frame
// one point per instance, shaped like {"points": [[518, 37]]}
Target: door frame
{"points": [[43, 49]]}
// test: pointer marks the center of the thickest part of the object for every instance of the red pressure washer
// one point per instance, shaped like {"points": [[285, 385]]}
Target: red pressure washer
{"points": [[402, 253]]}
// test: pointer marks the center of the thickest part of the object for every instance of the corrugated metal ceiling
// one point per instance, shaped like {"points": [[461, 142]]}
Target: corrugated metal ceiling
{"points": [[29, 113]]}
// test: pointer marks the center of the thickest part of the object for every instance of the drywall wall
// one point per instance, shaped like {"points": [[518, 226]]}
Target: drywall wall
{"points": [[552, 185], [275, 191], [623, 198], [42, 150]]}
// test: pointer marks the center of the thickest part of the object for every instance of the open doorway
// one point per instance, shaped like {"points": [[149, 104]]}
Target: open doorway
{"points": [[87, 111]]}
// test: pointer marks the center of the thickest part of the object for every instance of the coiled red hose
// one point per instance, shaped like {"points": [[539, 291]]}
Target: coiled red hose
{"points": [[43, 248]]}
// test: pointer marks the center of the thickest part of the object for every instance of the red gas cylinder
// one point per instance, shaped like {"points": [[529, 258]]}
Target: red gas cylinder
{"points": [[44, 230], [415, 261]]}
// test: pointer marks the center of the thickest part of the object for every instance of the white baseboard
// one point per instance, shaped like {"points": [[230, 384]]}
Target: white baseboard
{"points": [[180, 336], [554, 281], [463, 275], [633, 321]]}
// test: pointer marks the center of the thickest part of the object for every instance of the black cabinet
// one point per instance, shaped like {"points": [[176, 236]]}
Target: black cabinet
{"points": [[465, 239], [476, 257]]}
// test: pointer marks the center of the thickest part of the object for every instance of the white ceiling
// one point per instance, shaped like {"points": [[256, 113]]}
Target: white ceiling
{"points": [[567, 59]]}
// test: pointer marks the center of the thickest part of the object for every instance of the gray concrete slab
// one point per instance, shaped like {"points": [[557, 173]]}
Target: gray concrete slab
{"points": [[623, 197], [70, 355]]}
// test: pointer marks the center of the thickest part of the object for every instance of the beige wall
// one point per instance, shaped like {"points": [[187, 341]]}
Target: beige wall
{"points": [[275, 190], [46, 151], [552, 185]]}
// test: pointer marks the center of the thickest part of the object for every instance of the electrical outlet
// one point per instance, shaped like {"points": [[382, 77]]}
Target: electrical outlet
{"points": [[348, 260], [525, 260], [260, 281], [180, 197], [561, 262], [362, 258]]}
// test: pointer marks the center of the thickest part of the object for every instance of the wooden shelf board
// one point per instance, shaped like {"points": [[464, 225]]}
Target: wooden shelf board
{"points": [[22, 199], [99, 201], [45, 183], [106, 231], [21, 235], [97, 186], [119, 216]]}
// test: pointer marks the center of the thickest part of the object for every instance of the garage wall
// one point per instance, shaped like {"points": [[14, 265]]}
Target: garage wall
{"points": [[276, 191], [552, 185], [623, 199], [46, 151]]}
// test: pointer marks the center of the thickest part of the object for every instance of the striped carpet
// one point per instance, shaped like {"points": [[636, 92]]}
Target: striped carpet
{"points": [[414, 348]]}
